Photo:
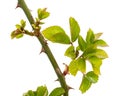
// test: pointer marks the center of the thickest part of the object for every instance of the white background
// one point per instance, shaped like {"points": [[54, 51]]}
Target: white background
{"points": [[23, 68]]}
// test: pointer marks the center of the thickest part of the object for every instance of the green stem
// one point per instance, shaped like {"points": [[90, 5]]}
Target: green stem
{"points": [[22, 4], [46, 48]]}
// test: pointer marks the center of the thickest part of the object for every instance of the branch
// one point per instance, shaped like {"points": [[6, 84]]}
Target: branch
{"points": [[46, 48]]}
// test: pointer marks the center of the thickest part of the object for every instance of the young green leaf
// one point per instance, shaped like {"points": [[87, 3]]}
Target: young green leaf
{"points": [[90, 36], [100, 43], [97, 36], [95, 52], [56, 34], [23, 23], [39, 12], [19, 35], [90, 51], [16, 34], [77, 65], [70, 52], [57, 92], [81, 65], [101, 54], [42, 91], [13, 35], [42, 13], [74, 29], [91, 76], [82, 43], [29, 93], [73, 68], [78, 48], [45, 15], [18, 26], [85, 85], [96, 63]]}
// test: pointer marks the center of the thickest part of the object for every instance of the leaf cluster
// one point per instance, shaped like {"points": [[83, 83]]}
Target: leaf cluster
{"points": [[20, 28], [18, 33], [41, 14], [43, 91], [88, 49]]}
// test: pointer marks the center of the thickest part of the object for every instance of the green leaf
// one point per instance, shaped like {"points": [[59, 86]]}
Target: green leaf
{"points": [[23, 23], [18, 26], [101, 54], [82, 43], [77, 65], [81, 65], [19, 35], [30, 93], [56, 34], [74, 29], [45, 15], [90, 51], [42, 13], [96, 63], [12, 35], [57, 92], [95, 52], [90, 36], [73, 68], [97, 36], [39, 11], [70, 52], [100, 43], [78, 48], [91, 76], [85, 85], [42, 91], [16, 34], [87, 81]]}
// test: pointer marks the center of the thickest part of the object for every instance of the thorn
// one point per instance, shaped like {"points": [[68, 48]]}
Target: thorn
{"points": [[56, 80], [18, 5], [42, 50], [66, 70], [69, 87]]}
